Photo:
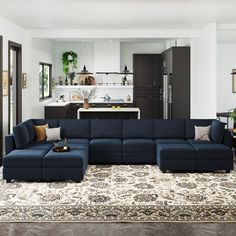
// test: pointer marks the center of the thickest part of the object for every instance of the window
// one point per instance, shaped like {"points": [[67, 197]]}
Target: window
{"points": [[45, 77]]}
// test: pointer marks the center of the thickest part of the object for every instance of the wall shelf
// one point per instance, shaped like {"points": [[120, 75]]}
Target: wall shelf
{"points": [[94, 86]]}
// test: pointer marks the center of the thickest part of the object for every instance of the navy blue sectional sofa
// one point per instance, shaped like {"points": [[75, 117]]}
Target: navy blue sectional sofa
{"points": [[168, 143]]}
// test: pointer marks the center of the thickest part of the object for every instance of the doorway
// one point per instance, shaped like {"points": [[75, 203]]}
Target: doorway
{"points": [[1, 104], [14, 85]]}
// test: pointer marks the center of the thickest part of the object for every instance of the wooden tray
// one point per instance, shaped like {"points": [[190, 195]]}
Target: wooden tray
{"points": [[61, 149]]}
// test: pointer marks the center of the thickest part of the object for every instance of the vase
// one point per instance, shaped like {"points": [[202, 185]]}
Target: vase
{"points": [[86, 104]]}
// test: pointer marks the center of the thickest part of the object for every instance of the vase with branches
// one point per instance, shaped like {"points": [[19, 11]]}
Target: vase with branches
{"points": [[87, 96]]}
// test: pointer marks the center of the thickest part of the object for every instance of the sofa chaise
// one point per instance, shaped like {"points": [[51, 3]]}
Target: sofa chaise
{"points": [[168, 143]]}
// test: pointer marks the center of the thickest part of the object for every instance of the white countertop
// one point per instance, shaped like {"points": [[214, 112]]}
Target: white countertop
{"points": [[108, 109], [105, 109], [57, 104]]}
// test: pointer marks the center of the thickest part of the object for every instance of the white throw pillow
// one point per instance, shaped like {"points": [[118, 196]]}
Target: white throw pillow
{"points": [[202, 133], [53, 134]]}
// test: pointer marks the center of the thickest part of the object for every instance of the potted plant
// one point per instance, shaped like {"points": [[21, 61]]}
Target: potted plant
{"points": [[69, 62], [232, 115]]}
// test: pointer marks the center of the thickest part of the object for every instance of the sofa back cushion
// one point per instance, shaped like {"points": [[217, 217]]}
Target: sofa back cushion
{"points": [[30, 124], [169, 129], [106, 128], [21, 135], [73, 128], [190, 129], [138, 129], [217, 131], [52, 123]]}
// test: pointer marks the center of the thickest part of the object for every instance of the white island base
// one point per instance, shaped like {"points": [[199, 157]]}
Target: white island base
{"points": [[92, 112]]}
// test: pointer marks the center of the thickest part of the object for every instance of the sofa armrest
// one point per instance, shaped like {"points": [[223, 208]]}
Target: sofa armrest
{"points": [[228, 140], [9, 143]]}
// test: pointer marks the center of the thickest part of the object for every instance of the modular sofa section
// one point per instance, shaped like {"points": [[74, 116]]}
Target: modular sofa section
{"points": [[178, 156], [106, 142], [24, 164], [138, 143]]}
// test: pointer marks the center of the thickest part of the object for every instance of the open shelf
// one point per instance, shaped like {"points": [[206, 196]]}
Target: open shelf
{"points": [[95, 86]]}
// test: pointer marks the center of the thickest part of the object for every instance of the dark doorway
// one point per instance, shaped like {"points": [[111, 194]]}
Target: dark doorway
{"points": [[1, 110], [15, 84]]}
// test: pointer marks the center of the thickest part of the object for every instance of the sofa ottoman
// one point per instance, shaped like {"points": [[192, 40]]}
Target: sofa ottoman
{"points": [[176, 156], [24, 164], [212, 156], [66, 165]]}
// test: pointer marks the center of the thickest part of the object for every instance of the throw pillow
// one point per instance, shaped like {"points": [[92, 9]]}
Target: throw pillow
{"points": [[217, 131], [40, 132], [53, 134], [202, 133]]}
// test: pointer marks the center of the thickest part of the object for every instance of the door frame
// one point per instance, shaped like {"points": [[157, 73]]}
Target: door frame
{"points": [[18, 48], [1, 100]]}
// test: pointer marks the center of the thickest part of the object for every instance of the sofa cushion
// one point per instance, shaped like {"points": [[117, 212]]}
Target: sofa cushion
{"points": [[73, 128], [171, 140], [21, 135], [212, 151], [30, 124], [139, 146], [190, 130], [52, 123], [105, 146], [177, 151], [170, 129], [24, 158], [138, 129], [39, 146], [75, 158], [217, 131], [106, 128], [193, 141], [77, 140]]}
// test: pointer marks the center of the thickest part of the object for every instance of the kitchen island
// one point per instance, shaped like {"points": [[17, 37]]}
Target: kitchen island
{"points": [[109, 113]]}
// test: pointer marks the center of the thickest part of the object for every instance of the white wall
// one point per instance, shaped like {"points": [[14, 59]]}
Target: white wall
{"points": [[12, 32], [203, 73], [128, 49], [226, 61], [32, 53], [84, 51], [42, 50], [107, 55]]}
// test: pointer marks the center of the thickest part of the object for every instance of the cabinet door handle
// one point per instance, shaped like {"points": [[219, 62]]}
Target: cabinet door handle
{"points": [[154, 83]]}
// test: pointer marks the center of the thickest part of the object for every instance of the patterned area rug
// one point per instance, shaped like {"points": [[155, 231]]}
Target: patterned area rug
{"points": [[140, 193]]}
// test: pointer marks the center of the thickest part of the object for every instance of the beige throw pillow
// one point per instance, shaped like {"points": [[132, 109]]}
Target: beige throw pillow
{"points": [[202, 133]]}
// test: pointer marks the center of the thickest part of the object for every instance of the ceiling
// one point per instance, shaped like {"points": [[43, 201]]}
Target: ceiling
{"points": [[117, 14]]}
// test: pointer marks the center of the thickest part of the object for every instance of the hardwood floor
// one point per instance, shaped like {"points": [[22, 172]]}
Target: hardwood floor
{"points": [[118, 229]]}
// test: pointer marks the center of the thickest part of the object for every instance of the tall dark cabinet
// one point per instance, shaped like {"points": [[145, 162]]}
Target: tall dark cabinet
{"points": [[176, 63], [148, 84]]}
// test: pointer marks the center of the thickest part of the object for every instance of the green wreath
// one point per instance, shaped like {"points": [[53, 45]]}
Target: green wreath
{"points": [[69, 59]]}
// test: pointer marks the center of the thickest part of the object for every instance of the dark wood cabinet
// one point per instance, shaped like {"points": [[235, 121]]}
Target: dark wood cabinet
{"points": [[57, 112], [176, 61], [148, 85]]}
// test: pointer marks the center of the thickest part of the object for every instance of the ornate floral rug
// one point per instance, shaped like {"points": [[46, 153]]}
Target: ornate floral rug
{"points": [[132, 193]]}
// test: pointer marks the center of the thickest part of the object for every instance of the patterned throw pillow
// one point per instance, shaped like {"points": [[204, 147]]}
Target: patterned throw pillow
{"points": [[202, 133], [40, 132]]}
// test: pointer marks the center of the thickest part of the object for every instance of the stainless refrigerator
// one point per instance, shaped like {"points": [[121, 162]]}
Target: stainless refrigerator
{"points": [[167, 96]]}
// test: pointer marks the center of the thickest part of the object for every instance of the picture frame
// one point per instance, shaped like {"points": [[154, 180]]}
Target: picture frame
{"points": [[75, 96], [24, 81], [5, 81], [233, 81]]}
